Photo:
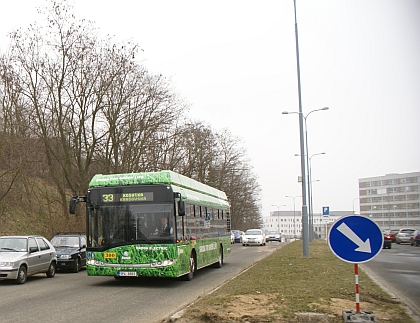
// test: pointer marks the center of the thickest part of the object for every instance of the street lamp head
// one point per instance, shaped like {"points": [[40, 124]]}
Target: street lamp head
{"points": [[325, 108]]}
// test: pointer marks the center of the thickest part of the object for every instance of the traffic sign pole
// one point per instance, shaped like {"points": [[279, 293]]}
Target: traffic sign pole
{"points": [[356, 239], [356, 273]]}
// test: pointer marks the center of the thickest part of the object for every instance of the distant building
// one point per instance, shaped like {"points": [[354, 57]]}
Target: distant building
{"points": [[289, 223], [392, 201]]}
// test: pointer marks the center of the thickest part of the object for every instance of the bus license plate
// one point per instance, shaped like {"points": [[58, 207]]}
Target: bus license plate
{"points": [[127, 274]]}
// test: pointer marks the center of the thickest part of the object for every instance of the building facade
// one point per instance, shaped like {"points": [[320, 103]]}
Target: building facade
{"points": [[289, 223], [392, 201]]}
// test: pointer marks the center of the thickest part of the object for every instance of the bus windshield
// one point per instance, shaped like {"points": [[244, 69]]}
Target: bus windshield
{"points": [[116, 225]]}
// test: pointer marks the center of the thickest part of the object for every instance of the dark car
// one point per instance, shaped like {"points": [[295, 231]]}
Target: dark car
{"points": [[387, 242], [415, 238], [392, 234], [71, 251]]}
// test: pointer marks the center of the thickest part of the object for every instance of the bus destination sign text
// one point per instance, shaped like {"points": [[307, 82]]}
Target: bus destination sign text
{"points": [[127, 197]]}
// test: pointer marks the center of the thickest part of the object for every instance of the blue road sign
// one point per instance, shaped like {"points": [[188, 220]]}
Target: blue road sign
{"points": [[325, 210], [355, 239]]}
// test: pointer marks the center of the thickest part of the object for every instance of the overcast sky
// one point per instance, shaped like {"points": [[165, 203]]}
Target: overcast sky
{"points": [[234, 61]]}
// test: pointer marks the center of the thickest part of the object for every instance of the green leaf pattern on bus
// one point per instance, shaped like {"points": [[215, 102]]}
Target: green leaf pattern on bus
{"points": [[148, 256]]}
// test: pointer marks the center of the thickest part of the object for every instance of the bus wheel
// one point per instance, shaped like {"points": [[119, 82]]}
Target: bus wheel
{"points": [[190, 275], [219, 263]]}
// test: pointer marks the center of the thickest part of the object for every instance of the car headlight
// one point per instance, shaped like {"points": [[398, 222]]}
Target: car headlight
{"points": [[65, 257], [6, 264]]}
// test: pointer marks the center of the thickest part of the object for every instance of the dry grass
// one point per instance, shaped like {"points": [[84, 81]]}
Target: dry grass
{"points": [[287, 287]]}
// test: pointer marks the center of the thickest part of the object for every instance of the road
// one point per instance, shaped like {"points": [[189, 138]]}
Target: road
{"points": [[70, 297], [398, 271]]}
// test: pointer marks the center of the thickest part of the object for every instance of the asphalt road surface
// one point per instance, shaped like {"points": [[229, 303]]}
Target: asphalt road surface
{"points": [[70, 297], [398, 271]]}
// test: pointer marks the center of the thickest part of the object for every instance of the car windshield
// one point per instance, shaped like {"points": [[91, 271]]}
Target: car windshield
{"points": [[64, 241], [13, 244], [253, 232], [272, 232]]}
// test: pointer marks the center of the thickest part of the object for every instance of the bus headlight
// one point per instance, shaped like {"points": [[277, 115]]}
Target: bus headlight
{"points": [[163, 263]]}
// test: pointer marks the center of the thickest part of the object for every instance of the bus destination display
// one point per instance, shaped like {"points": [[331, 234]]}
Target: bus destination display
{"points": [[127, 197]]}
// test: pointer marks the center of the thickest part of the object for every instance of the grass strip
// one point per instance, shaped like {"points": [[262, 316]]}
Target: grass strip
{"points": [[287, 287]]}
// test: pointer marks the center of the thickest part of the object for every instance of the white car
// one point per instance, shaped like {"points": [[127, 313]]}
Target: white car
{"points": [[403, 236], [273, 236], [254, 236], [23, 256]]}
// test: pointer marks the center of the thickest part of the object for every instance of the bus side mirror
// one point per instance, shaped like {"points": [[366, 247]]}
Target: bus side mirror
{"points": [[72, 206], [181, 208]]}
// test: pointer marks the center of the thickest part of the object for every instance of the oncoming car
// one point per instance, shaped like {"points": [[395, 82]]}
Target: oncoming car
{"points": [[237, 236], [71, 251], [273, 236], [23, 256], [254, 236]]}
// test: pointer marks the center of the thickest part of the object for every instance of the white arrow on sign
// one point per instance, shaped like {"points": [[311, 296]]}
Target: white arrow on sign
{"points": [[363, 246]]}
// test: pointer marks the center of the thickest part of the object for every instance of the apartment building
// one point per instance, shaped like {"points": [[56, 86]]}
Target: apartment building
{"points": [[392, 201]]}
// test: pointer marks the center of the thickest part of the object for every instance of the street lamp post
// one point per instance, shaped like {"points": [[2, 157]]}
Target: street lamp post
{"points": [[278, 216], [311, 207], [294, 214], [357, 198], [302, 149], [311, 211]]}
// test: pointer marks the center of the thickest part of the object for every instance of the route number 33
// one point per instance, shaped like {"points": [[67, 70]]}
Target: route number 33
{"points": [[106, 198]]}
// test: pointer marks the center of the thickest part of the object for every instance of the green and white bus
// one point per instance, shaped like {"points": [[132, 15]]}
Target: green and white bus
{"points": [[155, 224]]}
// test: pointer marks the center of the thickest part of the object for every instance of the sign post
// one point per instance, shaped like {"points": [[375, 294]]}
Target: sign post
{"points": [[355, 239]]}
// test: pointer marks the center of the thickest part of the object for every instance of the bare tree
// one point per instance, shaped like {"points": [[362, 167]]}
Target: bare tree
{"points": [[79, 105]]}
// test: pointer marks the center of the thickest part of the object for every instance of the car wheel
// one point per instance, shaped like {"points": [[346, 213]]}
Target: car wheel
{"points": [[51, 270], [76, 266], [22, 275]]}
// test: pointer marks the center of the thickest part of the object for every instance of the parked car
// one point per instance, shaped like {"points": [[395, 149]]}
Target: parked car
{"points": [[254, 236], [273, 236], [238, 236], [392, 234], [403, 235], [71, 251], [23, 256], [232, 237], [415, 238], [387, 242]]}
